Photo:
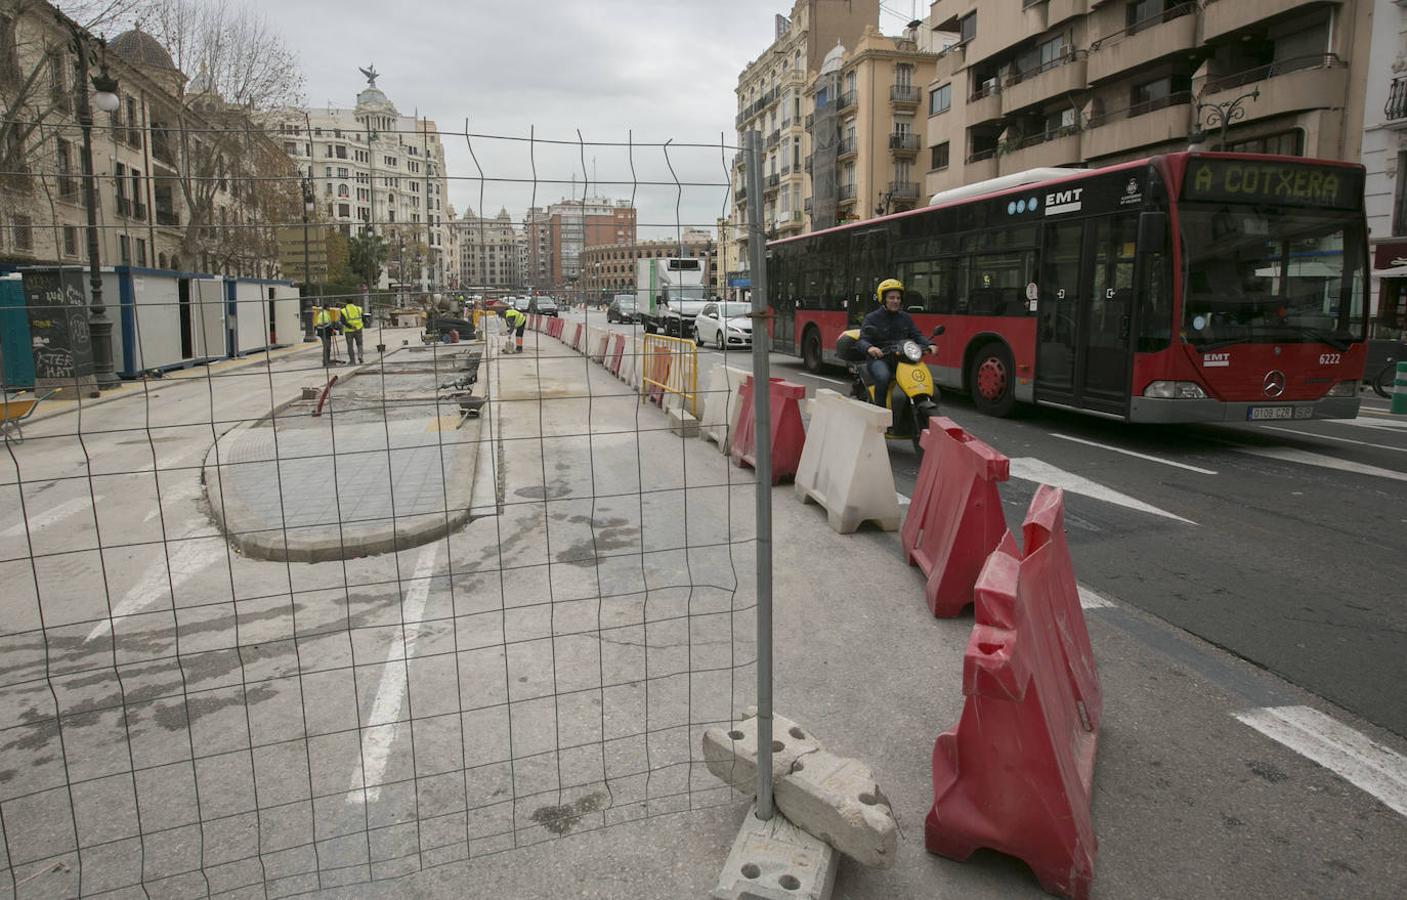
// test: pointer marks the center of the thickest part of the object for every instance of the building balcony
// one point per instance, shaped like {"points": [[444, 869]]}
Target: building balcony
{"points": [[807, 204], [985, 104], [903, 144], [1288, 86], [1141, 125], [1222, 17], [1057, 11], [904, 96], [810, 121], [1047, 148], [845, 101], [845, 147], [1163, 34], [1056, 78], [808, 165], [168, 217], [903, 191], [845, 193], [790, 220], [786, 169], [774, 139], [979, 166], [1396, 107], [773, 181]]}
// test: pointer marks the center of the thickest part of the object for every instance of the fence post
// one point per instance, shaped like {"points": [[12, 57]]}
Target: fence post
{"points": [[762, 412]]}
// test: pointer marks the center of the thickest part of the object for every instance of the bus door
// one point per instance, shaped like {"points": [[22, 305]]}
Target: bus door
{"points": [[1084, 313], [869, 261]]}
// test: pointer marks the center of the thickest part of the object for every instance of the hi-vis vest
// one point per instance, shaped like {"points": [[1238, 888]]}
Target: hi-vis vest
{"points": [[321, 318], [515, 318], [353, 314]]}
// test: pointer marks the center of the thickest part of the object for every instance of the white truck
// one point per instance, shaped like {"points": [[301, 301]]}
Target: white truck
{"points": [[669, 293]]}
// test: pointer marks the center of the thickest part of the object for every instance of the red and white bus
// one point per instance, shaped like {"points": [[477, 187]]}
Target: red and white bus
{"points": [[1188, 287]]}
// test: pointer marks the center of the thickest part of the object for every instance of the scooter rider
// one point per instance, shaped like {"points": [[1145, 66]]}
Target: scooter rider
{"points": [[885, 327]]}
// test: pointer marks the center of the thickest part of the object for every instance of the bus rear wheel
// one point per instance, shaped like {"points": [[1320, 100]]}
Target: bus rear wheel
{"points": [[992, 380], [811, 351]]}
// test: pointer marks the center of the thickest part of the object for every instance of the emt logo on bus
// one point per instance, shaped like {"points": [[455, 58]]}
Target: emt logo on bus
{"points": [[1287, 184]]}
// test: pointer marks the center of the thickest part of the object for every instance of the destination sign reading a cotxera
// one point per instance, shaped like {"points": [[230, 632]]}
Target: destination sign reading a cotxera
{"points": [[1279, 183]]}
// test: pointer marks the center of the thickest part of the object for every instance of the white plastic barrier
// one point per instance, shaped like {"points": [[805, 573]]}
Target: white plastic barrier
{"points": [[845, 464], [719, 404], [630, 363], [600, 340]]}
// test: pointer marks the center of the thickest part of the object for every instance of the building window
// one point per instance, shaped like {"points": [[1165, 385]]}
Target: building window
{"points": [[940, 99], [23, 232], [967, 27], [940, 156], [124, 249], [1399, 201], [68, 185], [1281, 143], [141, 251], [70, 241], [344, 210]]}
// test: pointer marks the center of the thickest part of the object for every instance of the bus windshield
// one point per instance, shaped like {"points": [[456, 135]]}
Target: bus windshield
{"points": [[1263, 274]]}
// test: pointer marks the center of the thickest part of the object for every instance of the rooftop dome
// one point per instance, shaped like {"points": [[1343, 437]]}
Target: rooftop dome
{"points": [[136, 46]]}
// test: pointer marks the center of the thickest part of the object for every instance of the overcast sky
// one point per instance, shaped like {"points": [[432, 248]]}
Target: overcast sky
{"points": [[651, 70]]}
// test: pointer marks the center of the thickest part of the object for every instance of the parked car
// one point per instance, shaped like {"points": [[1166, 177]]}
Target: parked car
{"points": [[545, 306], [724, 324], [622, 309]]}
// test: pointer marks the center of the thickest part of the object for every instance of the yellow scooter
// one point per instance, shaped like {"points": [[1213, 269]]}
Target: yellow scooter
{"points": [[911, 397]]}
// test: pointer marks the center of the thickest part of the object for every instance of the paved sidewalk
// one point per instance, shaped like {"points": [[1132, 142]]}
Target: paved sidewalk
{"points": [[385, 466]]}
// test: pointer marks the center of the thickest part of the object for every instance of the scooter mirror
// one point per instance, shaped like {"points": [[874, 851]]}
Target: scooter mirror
{"points": [[939, 330]]}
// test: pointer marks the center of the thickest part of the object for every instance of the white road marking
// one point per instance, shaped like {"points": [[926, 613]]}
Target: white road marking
{"points": [[1030, 469], [48, 517], [1344, 751], [1330, 437], [824, 378], [1156, 459], [382, 727], [1289, 454], [1091, 600], [180, 565], [1384, 424]]}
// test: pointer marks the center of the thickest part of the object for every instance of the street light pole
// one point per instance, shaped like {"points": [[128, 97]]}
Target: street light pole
{"points": [[308, 201], [1222, 114], [99, 325]]}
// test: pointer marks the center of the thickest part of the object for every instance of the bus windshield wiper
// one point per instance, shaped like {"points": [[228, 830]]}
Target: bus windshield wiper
{"points": [[1326, 337]]}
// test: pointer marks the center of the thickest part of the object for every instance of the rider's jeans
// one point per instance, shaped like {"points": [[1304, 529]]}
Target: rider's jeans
{"points": [[880, 374]]}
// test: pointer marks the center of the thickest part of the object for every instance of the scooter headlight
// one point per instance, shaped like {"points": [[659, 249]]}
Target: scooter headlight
{"points": [[912, 351]]}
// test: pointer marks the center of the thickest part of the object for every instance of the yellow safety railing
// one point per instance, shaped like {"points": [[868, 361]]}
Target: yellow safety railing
{"points": [[670, 365]]}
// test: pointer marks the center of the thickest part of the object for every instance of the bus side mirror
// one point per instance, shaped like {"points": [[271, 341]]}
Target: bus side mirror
{"points": [[939, 330], [1152, 231]]}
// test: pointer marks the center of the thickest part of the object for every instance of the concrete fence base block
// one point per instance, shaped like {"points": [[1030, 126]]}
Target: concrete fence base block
{"points": [[719, 403], [833, 797], [775, 860], [683, 424], [845, 464], [731, 753]]}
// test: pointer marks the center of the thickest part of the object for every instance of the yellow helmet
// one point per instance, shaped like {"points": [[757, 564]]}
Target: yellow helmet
{"points": [[888, 284]]}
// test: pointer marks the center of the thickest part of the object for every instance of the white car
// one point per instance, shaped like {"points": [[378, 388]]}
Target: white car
{"points": [[724, 324]]}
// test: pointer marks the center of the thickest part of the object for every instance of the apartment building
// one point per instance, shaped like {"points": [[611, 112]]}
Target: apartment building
{"points": [[536, 250], [610, 268], [1034, 83], [770, 93], [375, 170], [1385, 157], [156, 208], [488, 252], [868, 135], [573, 225]]}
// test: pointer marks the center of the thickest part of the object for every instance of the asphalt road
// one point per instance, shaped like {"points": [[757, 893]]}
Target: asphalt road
{"points": [[1285, 544]]}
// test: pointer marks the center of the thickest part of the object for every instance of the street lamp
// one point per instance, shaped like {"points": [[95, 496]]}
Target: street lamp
{"points": [[309, 204], [106, 99], [1221, 114]]}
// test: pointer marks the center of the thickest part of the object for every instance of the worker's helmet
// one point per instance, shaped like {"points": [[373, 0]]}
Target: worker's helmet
{"points": [[887, 285]]}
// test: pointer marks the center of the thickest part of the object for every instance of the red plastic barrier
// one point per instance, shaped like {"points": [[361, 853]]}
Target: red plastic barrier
{"points": [[576, 336], [1016, 772], [617, 354], [554, 328], [788, 434], [955, 516], [658, 360]]}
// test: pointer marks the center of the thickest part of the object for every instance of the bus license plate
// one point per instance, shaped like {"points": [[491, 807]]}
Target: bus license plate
{"points": [[1261, 413]]}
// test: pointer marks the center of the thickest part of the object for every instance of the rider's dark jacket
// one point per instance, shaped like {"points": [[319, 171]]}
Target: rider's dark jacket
{"points": [[882, 328]]}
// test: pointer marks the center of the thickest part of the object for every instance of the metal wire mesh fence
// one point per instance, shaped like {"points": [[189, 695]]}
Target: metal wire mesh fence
{"points": [[271, 626]]}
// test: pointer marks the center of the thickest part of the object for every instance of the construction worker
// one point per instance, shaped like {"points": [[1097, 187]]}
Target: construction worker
{"points": [[352, 327], [517, 323], [327, 322]]}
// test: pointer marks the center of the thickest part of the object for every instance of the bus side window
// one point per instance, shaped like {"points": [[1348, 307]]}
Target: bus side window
{"points": [[918, 286]]}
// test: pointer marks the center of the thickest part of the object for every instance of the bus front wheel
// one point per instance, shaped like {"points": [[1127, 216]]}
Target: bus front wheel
{"points": [[811, 351], [992, 380]]}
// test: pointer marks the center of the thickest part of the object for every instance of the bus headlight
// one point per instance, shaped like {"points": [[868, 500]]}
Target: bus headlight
{"points": [[1175, 390], [912, 351], [1343, 389]]}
